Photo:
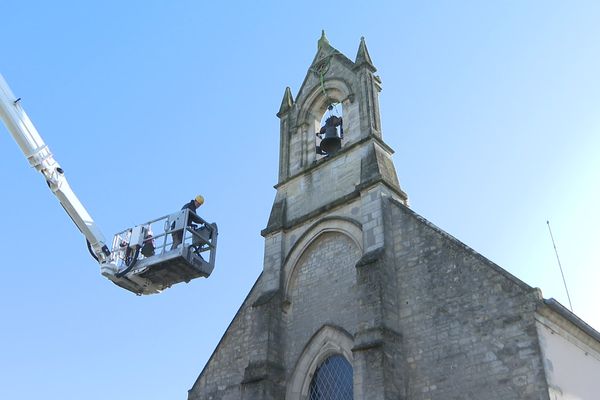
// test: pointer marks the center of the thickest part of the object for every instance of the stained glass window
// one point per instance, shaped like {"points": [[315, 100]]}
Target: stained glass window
{"points": [[332, 380]]}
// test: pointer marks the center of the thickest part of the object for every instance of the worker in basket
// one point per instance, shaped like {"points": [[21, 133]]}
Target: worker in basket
{"points": [[148, 248], [192, 206]]}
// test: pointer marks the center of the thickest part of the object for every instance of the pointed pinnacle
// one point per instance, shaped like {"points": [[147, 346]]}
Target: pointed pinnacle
{"points": [[286, 103], [323, 40], [363, 57]]}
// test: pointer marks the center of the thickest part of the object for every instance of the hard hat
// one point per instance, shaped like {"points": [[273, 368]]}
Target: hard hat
{"points": [[199, 199]]}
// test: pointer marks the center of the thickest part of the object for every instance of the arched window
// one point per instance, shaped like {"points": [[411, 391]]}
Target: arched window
{"points": [[332, 380]]}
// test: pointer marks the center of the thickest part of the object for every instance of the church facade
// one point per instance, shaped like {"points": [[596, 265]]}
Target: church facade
{"points": [[360, 297]]}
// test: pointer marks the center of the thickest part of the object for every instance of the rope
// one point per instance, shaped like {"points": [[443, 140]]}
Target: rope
{"points": [[321, 70]]}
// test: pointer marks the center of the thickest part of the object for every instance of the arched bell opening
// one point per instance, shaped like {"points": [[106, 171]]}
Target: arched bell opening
{"points": [[331, 97], [330, 131]]}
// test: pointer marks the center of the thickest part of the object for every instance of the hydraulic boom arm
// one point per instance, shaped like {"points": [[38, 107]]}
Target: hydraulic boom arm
{"points": [[144, 259], [39, 156]]}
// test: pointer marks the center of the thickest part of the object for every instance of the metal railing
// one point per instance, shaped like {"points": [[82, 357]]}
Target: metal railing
{"points": [[161, 235]]}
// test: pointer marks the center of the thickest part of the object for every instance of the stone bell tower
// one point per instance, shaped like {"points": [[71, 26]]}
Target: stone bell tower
{"points": [[320, 292], [344, 186], [326, 219]]}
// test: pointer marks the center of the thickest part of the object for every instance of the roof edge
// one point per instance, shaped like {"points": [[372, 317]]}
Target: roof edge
{"points": [[564, 312], [242, 306], [456, 241]]}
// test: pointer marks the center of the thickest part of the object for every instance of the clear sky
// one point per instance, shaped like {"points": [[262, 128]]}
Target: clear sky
{"points": [[493, 109]]}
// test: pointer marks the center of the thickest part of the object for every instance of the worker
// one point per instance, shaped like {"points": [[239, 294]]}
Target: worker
{"points": [[193, 218], [148, 247], [331, 135]]}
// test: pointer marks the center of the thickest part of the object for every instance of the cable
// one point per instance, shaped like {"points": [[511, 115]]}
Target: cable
{"points": [[89, 246], [560, 266], [131, 264]]}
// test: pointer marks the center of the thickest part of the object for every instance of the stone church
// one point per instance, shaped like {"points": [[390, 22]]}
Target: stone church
{"points": [[362, 298]]}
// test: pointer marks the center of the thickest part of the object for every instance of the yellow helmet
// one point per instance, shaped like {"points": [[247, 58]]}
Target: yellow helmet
{"points": [[199, 199]]}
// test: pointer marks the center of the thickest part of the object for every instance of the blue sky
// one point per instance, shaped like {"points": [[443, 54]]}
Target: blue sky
{"points": [[492, 110]]}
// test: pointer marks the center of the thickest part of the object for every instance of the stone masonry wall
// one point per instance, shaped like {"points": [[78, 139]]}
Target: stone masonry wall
{"points": [[224, 371], [322, 292], [468, 326], [454, 325]]}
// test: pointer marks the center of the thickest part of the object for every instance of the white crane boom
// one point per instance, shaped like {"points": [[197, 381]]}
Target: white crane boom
{"points": [[39, 156], [144, 259]]}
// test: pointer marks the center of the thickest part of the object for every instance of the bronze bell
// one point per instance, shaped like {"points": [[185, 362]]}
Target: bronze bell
{"points": [[331, 142]]}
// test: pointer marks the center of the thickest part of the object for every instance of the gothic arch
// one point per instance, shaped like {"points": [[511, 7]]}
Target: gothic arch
{"points": [[312, 106], [329, 340], [346, 226], [314, 103]]}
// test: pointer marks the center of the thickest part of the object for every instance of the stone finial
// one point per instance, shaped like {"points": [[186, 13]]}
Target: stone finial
{"points": [[363, 57], [323, 40], [324, 50], [286, 103]]}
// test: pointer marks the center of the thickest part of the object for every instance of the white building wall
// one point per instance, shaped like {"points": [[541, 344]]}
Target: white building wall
{"points": [[572, 367]]}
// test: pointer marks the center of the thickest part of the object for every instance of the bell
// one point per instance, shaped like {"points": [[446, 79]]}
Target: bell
{"points": [[331, 142]]}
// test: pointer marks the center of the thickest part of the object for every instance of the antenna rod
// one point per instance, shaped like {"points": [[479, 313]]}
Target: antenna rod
{"points": [[560, 266]]}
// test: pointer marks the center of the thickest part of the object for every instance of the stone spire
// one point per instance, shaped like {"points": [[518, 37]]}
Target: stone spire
{"points": [[363, 57], [323, 41], [286, 103], [324, 52]]}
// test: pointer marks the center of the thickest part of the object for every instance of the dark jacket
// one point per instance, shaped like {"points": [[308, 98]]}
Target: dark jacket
{"points": [[193, 217]]}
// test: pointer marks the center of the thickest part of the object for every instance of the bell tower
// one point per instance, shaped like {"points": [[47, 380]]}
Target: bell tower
{"points": [[326, 232], [313, 186], [332, 80]]}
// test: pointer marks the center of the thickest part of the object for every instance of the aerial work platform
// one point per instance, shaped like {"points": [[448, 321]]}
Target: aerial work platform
{"points": [[163, 252], [145, 259]]}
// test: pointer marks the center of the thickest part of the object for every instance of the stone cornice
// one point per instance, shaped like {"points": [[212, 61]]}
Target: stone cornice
{"points": [[319, 163]]}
